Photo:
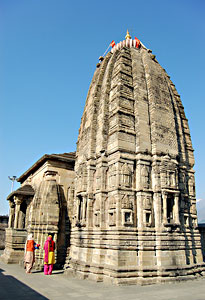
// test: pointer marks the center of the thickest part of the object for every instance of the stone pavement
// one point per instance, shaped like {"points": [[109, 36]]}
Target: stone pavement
{"points": [[16, 284]]}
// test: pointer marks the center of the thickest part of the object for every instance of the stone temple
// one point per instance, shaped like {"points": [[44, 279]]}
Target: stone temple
{"points": [[123, 207]]}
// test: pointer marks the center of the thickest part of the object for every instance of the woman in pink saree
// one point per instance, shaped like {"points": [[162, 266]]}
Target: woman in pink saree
{"points": [[49, 257]]}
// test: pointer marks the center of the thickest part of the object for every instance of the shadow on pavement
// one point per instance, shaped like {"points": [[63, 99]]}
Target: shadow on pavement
{"points": [[11, 288]]}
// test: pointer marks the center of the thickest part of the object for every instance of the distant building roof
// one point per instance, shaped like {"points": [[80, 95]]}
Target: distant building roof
{"points": [[201, 225], [64, 157]]}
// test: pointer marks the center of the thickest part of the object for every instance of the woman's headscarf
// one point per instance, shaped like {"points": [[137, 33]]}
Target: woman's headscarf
{"points": [[30, 237]]}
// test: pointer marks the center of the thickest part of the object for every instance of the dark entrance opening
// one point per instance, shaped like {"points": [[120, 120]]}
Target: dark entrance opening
{"points": [[23, 208], [170, 205], [80, 211]]}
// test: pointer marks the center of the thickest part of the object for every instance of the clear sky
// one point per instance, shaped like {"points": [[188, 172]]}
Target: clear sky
{"points": [[48, 54]]}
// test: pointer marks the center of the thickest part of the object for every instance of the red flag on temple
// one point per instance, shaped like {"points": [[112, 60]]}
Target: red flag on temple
{"points": [[112, 44], [137, 42]]}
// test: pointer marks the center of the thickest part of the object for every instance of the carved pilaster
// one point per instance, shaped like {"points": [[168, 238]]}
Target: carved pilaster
{"points": [[140, 210], [18, 202], [164, 197], [157, 209], [11, 214], [176, 209]]}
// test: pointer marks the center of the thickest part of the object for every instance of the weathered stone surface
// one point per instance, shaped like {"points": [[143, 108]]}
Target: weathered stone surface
{"points": [[14, 245], [135, 208]]}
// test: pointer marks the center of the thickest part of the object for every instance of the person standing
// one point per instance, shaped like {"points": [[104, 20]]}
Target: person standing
{"points": [[49, 257], [29, 257]]}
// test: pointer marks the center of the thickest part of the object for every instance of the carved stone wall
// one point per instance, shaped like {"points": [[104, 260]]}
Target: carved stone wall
{"points": [[135, 207]]}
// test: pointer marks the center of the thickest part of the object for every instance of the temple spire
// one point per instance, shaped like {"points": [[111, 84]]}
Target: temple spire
{"points": [[127, 35]]}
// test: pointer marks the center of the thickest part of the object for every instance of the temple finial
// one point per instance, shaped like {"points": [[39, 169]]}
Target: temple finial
{"points": [[127, 35]]}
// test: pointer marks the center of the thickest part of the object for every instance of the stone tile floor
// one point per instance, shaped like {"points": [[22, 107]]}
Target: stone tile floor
{"points": [[16, 284]]}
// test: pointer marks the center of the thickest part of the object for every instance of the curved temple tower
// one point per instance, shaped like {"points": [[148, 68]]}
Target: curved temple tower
{"points": [[135, 215]]}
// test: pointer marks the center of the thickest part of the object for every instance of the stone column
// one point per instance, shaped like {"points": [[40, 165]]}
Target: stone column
{"points": [[157, 209], [164, 197], [11, 214], [176, 209], [139, 210], [17, 210], [78, 209], [118, 211], [89, 212], [84, 208]]}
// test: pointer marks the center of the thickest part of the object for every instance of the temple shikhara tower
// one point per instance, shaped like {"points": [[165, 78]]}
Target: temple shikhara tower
{"points": [[135, 202], [130, 199]]}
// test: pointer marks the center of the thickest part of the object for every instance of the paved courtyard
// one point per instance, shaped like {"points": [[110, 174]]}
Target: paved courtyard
{"points": [[15, 284]]}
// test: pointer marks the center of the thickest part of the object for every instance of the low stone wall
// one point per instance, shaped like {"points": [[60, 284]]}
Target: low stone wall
{"points": [[14, 246], [3, 226]]}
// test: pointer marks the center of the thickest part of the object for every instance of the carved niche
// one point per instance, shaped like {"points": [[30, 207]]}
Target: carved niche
{"points": [[112, 211], [97, 212], [145, 177], [191, 185], [186, 205], [156, 177], [147, 210], [147, 202], [193, 209], [127, 210], [126, 176], [183, 181], [169, 173], [171, 178], [81, 178]]}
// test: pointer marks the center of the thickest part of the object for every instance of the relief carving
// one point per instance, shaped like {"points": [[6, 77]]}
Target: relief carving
{"points": [[112, 211], [126, 176], [193, 209], [147, 202], [191, 185], [156, 178], [97, 213], [145, 177], [112, 176], [183, 181], [127, 203], [171, 179]]}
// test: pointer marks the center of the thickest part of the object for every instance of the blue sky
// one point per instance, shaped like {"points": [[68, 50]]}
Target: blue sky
{"points": [[48, 54]]}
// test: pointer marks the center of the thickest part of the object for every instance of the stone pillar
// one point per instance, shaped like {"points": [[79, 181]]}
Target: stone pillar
{"points": [[11, 214], [17, 210], [84, 210], [118, 211], [176, 209], [89, 212], [164, 197], [78, 209], [139, 210], [157, 209]]}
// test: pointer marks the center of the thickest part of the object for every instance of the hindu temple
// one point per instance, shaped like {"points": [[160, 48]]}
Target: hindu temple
{"points": [[122, 208]]}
